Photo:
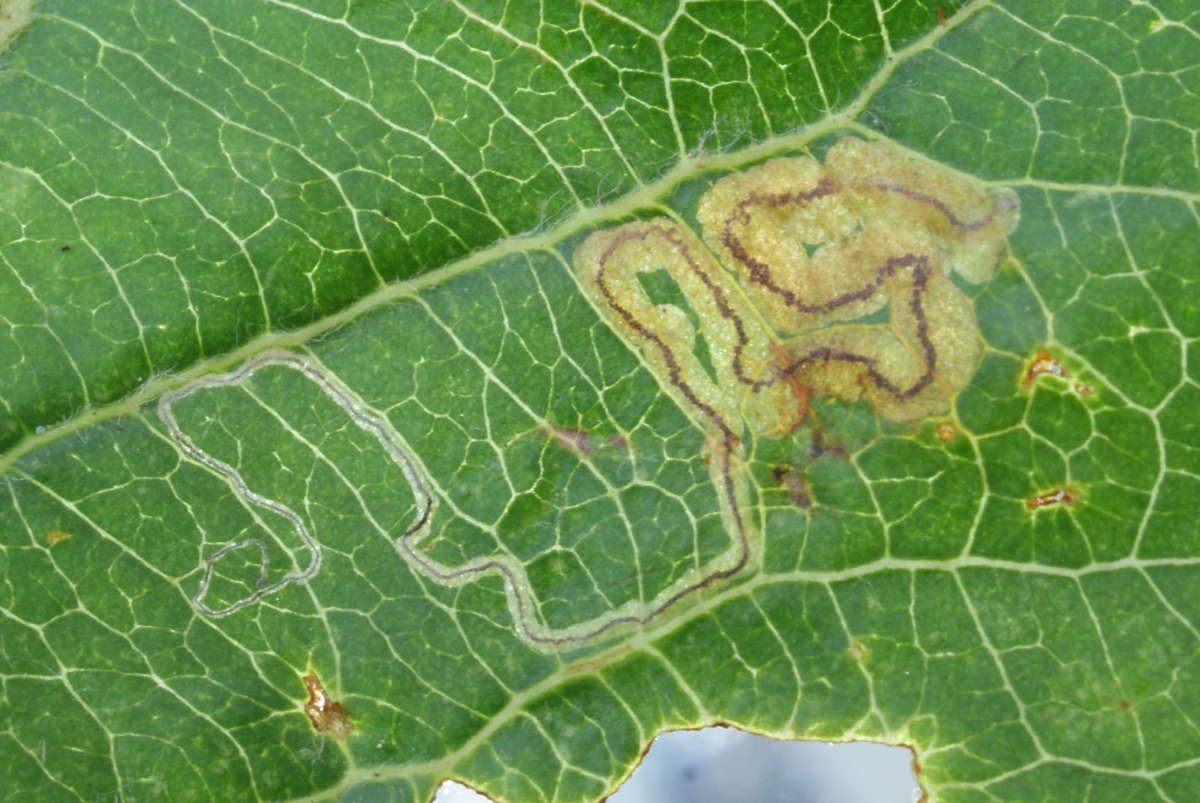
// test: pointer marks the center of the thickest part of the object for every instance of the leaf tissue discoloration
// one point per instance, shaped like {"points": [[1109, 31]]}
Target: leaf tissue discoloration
{"points": [[807, 256], [810, 253], [545, 537], [14, 16], [56, 537], [326, 714]]}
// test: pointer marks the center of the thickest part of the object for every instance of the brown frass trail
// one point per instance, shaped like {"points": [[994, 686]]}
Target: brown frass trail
{"points": [[809, 250], [818, 247]]}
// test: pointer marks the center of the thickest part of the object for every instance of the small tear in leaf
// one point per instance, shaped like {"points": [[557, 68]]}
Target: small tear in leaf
{"points": [[325, 714]]}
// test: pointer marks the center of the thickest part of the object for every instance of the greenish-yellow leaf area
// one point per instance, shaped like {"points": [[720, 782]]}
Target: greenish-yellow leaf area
{"points": [[14, 15], [400, 391]]}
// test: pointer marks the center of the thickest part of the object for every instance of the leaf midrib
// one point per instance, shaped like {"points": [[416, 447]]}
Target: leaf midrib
{"points": [[645, 196]]}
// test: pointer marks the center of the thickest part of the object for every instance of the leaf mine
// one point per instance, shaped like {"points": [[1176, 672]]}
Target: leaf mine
{"points": [[795, 264], [808, 280]]}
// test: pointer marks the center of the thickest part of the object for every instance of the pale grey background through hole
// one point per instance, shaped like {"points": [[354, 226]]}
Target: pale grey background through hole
{"points": [[724, 765]]}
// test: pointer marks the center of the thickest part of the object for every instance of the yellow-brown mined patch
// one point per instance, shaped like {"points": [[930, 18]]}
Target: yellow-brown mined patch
{"points": [[857, 651], [1059, 496], [608, 263], [14, 16], [791, 255], [325, 714], [813, 247], [945, 431], [55, 536], [1044, 363]]}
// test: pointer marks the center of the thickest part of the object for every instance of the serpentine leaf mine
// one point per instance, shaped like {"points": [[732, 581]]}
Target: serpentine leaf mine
{"points": [[808, 280]]}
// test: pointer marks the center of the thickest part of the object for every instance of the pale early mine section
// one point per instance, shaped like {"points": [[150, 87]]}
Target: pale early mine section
{"points": [[809, 280]]}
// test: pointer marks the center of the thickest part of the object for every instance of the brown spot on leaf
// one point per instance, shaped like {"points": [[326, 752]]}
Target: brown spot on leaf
{"points": [[945, 431], [1059, 496], [1044, 363], [792, 481], [858, 652], [55, 536], [1084, 390], [574, 440], [819, 447], [325, 714]]}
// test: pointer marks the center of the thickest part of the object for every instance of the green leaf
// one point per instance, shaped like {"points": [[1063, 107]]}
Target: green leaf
{"points": [[328, 472]]}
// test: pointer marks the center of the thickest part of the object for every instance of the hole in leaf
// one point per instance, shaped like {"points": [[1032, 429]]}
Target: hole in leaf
{"points": [[726, 765]]}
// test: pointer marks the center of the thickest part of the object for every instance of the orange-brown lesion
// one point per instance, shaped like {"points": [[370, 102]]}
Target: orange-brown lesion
{"points": [[1066, 495], [945, 431], [1044, 363], [56, 536], [792, 418], [324, 713]]}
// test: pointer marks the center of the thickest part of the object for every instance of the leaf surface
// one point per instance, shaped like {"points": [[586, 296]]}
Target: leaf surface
{"points": [[327, 475]]}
